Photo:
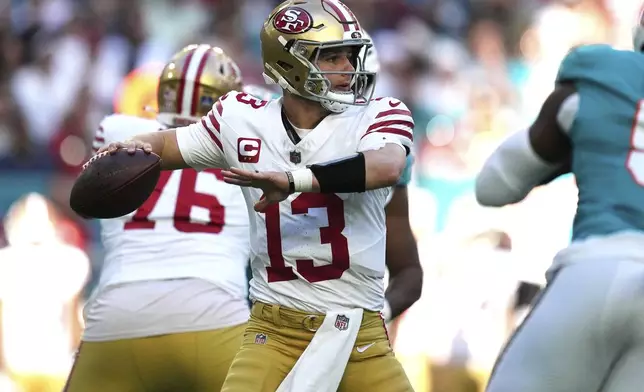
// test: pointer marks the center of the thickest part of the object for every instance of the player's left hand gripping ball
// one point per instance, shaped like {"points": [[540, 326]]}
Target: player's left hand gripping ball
{"points": [[274, 184], [113, 184]]}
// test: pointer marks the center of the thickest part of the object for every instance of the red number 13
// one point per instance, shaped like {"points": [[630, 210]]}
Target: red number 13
{"points": [[332, 235]]}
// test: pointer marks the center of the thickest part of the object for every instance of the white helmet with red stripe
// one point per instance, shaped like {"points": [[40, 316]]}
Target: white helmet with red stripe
{"points": [[295, 34], [193, 81]]}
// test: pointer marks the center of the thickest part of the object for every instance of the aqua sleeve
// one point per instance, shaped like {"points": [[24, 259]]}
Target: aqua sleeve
{"points": [[405, 177]]}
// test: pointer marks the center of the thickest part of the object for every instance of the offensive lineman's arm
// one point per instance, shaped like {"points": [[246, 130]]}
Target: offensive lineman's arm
{"points": [[405, 272], [533, 156]]}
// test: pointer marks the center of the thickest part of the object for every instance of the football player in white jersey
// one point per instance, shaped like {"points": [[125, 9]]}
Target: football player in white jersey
{"points": [[316, 167], [171, 306]]}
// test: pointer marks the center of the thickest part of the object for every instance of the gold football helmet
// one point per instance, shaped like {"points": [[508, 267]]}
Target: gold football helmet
{"points": [[193, 81], [292, 38]]}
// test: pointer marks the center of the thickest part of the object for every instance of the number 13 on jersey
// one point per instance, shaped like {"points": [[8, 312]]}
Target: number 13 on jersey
{"points": [[332, 235]]}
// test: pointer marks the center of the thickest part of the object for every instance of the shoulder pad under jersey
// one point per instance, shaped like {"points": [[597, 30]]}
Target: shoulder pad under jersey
{"points": [[118, 127], [391, 116], [581, 60]]}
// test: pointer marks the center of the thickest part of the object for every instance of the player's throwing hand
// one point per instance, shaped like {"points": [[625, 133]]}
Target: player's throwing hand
{"points": [[130, 145], [275, 185]]}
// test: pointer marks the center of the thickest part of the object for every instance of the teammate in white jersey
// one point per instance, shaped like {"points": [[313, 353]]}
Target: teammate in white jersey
{"points": [[317, 167], [171, 306]]}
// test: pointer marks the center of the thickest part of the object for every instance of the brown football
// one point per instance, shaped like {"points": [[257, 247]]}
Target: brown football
{"points": [[111, 186]]}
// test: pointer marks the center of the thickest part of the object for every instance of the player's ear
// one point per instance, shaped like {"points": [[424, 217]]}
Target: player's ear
{"points": [[547, 137]]}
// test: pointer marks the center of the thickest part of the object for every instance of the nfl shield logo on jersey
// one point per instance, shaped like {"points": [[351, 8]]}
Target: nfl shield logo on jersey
{"points": [[260, 338], [296, 157], [342, 322]]}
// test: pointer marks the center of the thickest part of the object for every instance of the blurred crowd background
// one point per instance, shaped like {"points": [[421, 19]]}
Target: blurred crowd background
{"points": [[471, 71]]}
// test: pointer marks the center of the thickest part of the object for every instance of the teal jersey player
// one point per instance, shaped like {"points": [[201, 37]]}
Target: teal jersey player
{"points": [[584, 332], [607, 136]]}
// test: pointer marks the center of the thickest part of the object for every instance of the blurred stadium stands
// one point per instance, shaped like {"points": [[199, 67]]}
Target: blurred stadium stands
{"points": [[470, 70]]}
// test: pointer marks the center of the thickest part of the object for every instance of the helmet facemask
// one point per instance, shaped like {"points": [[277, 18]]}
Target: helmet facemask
{"points": [[317, 86]]}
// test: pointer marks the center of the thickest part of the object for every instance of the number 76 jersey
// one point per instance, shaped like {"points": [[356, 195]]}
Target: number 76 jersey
{"points": [[193, 225], [313, 252]]}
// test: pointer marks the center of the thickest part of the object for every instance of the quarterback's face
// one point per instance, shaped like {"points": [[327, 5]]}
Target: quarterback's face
{"points": [[341, 59]]}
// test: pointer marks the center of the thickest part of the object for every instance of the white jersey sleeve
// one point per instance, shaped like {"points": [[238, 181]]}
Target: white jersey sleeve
{"points": [[390, 122], [119, 127], [200, 143]]}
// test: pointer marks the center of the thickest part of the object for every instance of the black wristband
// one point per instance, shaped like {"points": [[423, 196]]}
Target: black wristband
{"points": [[347, 175], [291, 182]]}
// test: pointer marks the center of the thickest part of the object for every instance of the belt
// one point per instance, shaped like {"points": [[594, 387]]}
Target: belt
{"points": [[285, 317]]}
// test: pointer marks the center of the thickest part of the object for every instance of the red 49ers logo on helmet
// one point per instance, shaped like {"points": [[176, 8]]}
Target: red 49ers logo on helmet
{"points": [[293, 20]]}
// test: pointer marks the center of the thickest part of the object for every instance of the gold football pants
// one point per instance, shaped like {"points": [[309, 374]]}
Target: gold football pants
{"points": [[186, 362], [276, 337]]}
